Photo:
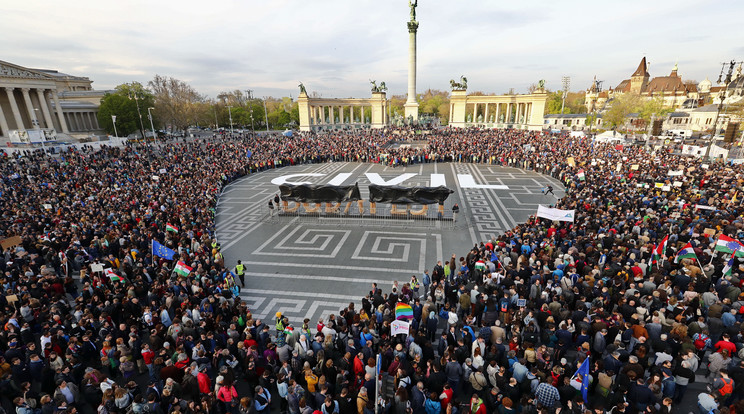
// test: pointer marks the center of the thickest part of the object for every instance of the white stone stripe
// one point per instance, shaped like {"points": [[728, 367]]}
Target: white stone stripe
{"points": [[315, 277], [437, 180], [329, 266], [248, 292]]}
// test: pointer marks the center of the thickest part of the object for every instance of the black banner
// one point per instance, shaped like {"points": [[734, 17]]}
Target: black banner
{"points": [[408, 195], [319, 193]]}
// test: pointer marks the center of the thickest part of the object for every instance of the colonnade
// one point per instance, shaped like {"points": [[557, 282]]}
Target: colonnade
{"points": [[31, 108], [338, 114], [497, 113]]}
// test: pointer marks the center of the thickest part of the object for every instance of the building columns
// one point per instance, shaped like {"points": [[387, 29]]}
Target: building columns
{"points": [[44, 109], [4, 128], [30, 108], [14, 108], [60, 115]]}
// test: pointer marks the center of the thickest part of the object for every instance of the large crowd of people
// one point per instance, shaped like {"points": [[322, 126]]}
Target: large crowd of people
{"points": [[592, 315]]}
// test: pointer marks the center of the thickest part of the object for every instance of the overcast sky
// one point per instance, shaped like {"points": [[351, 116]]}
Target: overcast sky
{"points": [[336, 46]]}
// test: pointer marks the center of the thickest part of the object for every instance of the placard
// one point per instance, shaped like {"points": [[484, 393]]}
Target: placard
{"points": [[11, 241], [571, 161], [47, 206], [96, 267], [659, 185], [399, 327], [634, 167], [163, 171], [521, 302], [704, 166], [666, 188], [677, 183], [11, 298], [709, 232]]}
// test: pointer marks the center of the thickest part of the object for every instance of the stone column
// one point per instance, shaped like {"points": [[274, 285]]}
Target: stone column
{"points": [[50, 110], [485, 115], [44, 109], [475, 113], [4, 128], [14, 108], [60, 115], [30, 108]]}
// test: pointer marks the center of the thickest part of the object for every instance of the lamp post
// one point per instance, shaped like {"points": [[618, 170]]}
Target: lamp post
{"points": [[266, 114], [37, 126], [149, 115], [229, 112], [722, 96], [566, 84], [113, 118], [136, 100]]}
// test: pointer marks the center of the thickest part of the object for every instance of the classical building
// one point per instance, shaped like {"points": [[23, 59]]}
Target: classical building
{"points": [[39, 104], [497, 111], [671, 89], [325, 114]]}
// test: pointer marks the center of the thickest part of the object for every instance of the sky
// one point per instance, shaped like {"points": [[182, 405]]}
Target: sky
{"points": [[336, 46]]}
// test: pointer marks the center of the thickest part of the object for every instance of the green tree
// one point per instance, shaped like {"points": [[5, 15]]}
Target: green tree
{"points": [[619, 110], [123, 105]]}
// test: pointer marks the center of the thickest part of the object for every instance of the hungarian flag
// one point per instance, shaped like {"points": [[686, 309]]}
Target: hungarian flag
{"points": [[403, 311], [581, 175], [728, 267], [170, 227], [182, 269], [113, 276], [660, 249], [728, 245], [686, 252]]}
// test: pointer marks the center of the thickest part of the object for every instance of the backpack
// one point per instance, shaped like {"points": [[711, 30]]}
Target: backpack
{"points": [[728, 387], [700, 341]]}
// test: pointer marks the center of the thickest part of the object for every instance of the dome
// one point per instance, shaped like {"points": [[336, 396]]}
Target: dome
{"points": [[705, 85]]}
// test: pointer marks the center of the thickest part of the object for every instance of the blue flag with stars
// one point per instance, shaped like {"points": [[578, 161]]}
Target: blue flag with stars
{"points": [[162, 251], [584, 371]]}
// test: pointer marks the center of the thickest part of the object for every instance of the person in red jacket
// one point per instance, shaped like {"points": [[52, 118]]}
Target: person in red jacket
{"points": [[726, 343], [205, 386], [148, 357], [476, 405]]}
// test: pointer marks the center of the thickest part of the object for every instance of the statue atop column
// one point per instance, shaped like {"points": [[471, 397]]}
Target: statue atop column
{"points": [[412, 5], [302, 89]]}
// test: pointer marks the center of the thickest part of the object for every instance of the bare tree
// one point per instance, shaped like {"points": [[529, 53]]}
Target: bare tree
{"points": [[176, 102]]}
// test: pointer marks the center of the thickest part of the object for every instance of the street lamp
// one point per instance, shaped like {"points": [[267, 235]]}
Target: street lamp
{"points": [[722, 96], [266, 114], [113, 118], [136, 100], [229, 112], [37, 126], [149, 115]]}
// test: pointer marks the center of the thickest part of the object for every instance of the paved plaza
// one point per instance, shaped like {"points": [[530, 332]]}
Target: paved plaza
{"points": [[312, 266]]}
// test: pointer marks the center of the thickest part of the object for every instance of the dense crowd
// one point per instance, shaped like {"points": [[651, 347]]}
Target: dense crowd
{"points": [[502, 328]]}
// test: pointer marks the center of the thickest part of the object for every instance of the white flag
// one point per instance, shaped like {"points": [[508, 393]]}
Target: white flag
{"points": [[555, 214]]}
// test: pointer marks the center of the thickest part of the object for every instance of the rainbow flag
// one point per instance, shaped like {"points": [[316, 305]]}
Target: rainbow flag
{"points": [[403, 311]]}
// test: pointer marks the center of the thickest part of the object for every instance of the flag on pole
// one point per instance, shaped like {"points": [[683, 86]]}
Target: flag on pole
{"points": [[686, 252], [729, 266], [170, 227], [581, 175], [184, 270], [403, 311], [728, 245], [660, 249], [162, 251], [584, 372]]}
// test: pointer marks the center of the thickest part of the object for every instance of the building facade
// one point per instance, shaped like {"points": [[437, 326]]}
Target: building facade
{"points": [[42, 104]]}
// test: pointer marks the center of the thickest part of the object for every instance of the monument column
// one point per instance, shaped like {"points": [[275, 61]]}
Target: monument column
{"points": [[411, 106], [60, 115], [14, 108], [485, 115]]}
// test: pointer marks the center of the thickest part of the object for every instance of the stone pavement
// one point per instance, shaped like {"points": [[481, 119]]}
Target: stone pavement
{"points": [[313, 266]]}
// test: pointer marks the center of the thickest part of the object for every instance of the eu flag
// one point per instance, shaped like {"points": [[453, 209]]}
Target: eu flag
{"points": [[584, 371], [248, 153], [162, 251]]}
